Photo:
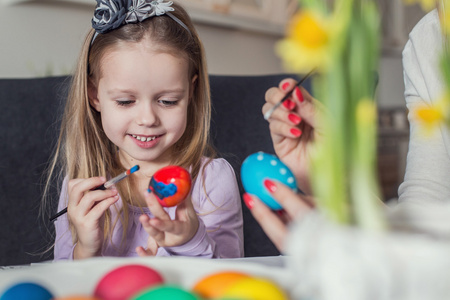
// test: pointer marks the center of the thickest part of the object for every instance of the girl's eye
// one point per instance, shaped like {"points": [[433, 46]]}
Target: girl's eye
{"points": [[124, 102], [168, 103]]}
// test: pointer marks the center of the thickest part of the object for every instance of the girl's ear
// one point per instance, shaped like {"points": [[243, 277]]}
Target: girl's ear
{"points": [[92, 94], [193, 85]]}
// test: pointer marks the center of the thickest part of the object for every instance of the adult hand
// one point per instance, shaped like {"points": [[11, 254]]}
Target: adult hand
{"points": [[275, 223], [293, 128], [165, 231], [85, 211]]}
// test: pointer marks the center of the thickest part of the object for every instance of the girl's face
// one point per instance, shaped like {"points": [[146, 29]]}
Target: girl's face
{"points": [[142, 96]]}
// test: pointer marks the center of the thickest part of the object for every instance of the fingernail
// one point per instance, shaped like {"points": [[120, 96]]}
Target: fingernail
{"points": [[296, 132], [294, 119], [299, 94], [280, 212], [285, 86], [248, 200], [270, 185], [289, 104]]}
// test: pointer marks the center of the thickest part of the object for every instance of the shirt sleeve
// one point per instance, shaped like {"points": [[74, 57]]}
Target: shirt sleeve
{"points": [[216, 198], [428, 164], [63, 242]]}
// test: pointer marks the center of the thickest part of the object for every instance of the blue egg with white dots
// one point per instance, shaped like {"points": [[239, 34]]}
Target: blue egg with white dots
{"points": [[26, 290], [260, 166]]}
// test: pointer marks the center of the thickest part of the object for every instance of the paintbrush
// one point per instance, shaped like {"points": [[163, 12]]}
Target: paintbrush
{"points": [[288, 95], [104, 186]]}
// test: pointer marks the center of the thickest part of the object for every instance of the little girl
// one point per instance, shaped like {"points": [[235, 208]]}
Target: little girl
{"points": [[140, 96]]}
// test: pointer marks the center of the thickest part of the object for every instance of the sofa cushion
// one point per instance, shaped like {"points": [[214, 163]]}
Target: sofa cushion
{"points": [[32, 109]]}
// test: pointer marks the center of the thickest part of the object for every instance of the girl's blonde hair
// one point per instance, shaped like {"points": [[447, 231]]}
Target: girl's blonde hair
{"points": [[83, 150]]}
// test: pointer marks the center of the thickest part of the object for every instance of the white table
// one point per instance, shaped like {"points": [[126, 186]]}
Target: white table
{"points": [[66, 278]]}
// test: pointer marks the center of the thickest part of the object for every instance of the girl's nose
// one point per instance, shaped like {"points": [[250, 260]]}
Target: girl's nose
{"points": [[146, 116]]}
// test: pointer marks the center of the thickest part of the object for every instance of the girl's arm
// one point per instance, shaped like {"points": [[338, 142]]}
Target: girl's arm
{"points": [[63, 241], [218, 205]]}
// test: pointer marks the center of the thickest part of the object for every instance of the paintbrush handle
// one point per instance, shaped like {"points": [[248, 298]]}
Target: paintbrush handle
{"points": [[60, 213], [104, 186], [269, 113]]}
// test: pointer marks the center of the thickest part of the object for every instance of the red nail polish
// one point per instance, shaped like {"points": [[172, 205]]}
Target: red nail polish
{"points": [[285, 86], [270, 185], [289, 104], [296, 132], [281, 213], [294, 119], [248, 200], [299, 94]]}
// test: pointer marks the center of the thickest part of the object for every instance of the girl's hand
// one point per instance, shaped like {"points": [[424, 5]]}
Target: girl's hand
{"points": [[275, 223], [85, 211], [293, 128], [151, 250], [167, 232]]}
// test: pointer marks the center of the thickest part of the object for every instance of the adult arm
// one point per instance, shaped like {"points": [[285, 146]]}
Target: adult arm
{"points": [[428, 164]]}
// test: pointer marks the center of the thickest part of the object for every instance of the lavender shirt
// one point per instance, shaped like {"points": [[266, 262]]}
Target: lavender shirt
{"points": [[220, 232]]}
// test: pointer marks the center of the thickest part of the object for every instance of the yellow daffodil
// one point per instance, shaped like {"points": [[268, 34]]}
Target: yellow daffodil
{"points": [[426, 5], [366, 112], [307, 44], [432, 116], [444, 16]]}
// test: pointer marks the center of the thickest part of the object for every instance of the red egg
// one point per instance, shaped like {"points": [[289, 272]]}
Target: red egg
{"points": [[126, 281], [170, 185]]}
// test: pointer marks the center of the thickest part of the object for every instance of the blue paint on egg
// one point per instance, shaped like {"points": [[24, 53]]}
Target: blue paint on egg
{"points": [[26, 290], [260, 166]]}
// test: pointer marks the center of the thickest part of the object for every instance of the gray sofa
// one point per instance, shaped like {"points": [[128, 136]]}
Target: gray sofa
{"points": [[31, 110]]}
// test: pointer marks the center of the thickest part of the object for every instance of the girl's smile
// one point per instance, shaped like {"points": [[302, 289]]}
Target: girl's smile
{"points": [[146, 141]]}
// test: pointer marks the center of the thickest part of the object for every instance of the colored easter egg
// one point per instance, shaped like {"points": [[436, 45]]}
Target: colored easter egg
{"points": [[77, 298], [171, 185], [254, 288], [123, 282], [213, 286], [26, 290], [165, 292], [260, 166]]}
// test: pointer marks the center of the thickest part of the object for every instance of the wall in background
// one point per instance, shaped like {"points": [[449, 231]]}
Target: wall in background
{"points": [[42, 37], [39, 38]]}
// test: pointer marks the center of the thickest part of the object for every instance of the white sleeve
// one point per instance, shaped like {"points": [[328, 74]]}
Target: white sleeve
{"points": [[427, 177]]}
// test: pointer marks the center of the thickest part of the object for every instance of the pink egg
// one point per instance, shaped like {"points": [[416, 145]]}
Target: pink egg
{"points": [[126, 281]]}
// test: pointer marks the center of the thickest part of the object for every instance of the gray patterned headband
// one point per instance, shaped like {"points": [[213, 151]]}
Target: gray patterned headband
{"points": [[112, 14]]}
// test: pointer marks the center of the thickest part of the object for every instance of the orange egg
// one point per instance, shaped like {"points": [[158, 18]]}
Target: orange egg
{"points": [[254, 288], [213, 286]]}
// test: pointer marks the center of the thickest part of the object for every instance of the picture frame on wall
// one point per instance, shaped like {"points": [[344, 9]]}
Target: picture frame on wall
{"points": [[265, 16]]}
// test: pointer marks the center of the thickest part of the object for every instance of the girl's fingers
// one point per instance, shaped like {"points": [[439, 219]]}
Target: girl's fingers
{"points": [[294, 204], [80, 186], [100, 207], [151, 250], [154, 206], [91, 199], [144, 252], [272, 225], [166, 226]]}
